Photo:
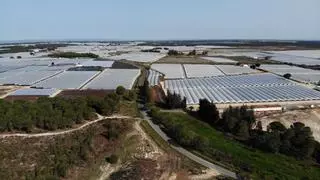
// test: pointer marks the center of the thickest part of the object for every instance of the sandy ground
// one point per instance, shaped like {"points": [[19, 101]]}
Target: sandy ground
{"points": [[309, 117], [5, 90]]}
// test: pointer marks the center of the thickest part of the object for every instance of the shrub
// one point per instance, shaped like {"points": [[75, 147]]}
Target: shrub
{"points": [[113, 159], [120, 90]]}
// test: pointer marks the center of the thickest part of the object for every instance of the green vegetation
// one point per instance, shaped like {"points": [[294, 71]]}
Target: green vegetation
{"points": [[57, 113], [123, 64], [73, 55], [287, 75], [113, 159], [77, 155], [20, 48], [120, 90], [45, 113], [87, 68], [145, 91], [174, 53], [174, 101], [250, 162]]}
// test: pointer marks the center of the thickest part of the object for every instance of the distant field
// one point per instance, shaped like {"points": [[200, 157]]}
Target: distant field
{"points": [[82, 93], [184, 60]]}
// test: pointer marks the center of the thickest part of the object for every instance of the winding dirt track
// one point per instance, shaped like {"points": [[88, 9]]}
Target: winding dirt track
{"points": [[55, 133]]}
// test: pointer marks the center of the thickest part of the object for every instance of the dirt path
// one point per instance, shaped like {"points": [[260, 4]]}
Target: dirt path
{"points": [[156, 149], [107, 170], [55, 133]]}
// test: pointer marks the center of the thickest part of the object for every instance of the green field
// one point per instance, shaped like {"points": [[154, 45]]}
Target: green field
{"points": [[259, 165]]}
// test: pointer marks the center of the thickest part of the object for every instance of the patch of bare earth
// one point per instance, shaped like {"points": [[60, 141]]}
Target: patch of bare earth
{"points": [[149, 162]]}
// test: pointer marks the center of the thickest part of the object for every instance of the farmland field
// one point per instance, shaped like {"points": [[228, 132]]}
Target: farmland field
{"points": [[183, 60], [201, 70], [298, 73], [112, 78], [171, 71], [240, 89], [68, 80]]}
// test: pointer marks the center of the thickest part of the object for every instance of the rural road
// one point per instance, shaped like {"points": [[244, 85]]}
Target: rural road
{"points": [[181, 150], [188, 154], [100, 118]]}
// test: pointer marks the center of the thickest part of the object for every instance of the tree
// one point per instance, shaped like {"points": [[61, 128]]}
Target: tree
{"points": [[113, 159], [192, 53], [120, 90], [276, 127], [242, 130], [208, 112], [287, 75], [130, 95], [174, 100], [173, 53], [257, 65], [253, 66], [204, 53]]}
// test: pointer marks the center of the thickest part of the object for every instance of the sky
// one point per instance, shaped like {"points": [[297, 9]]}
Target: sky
{"points": [[159, 20]]}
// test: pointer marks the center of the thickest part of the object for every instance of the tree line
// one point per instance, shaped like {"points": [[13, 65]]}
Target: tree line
{"points": [[296, 141], [73, 55], [58, 113]]}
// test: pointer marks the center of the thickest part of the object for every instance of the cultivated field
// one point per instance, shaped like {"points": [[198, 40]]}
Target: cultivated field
{"points": [[34, 92], [184, 60], [240, 89], [298, 73], [139, 56], [171, 71], [219, 60], [68, 80], [201, 70], [153, 77], [112, 78], [235, 70]]}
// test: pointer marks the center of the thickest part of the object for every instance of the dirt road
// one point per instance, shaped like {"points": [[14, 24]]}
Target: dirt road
{"points": [[55, 133]]}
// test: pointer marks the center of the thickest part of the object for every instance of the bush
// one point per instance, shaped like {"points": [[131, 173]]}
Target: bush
{"points": [[73, 55], [120, 90], [113, 159], [287, 75], [130, 95]]}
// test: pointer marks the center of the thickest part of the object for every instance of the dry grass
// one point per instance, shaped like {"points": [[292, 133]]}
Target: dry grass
{"points": [[184, 60]]}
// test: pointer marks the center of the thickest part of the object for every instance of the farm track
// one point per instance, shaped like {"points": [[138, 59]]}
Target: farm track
{"points": [[100, 118]]}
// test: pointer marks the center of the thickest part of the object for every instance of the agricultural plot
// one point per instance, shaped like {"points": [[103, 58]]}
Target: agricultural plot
{"points": [[263, 79], [27, 77], [154, 77], [105, 64], [112, 78], [171, 71], [235, 70], [219, 60], [201, 70], [139, 56], [301, 53], [294, 59], [8, 68], [246, 89], [68, 80], [298, 73], [34, 92]]}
